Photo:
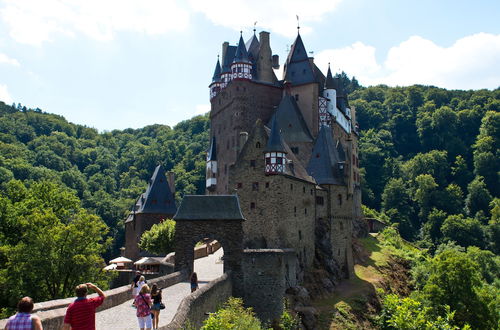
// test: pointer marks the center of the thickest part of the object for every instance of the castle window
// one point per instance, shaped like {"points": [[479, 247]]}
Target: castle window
{"points": [[340, 199], [300, 235], [305, 211], [291, 186], [255, 186], [341, 225], [252, 205], [257, 145], [267, 184], [338, 253], [252, 163], [295, 210], [295, 150], [296, 97], [239, 185], [317, 155], [320, 200], [311, 192], [304, 190]]}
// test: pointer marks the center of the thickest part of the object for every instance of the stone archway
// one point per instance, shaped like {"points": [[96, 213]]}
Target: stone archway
{"points": [[218, 217]]}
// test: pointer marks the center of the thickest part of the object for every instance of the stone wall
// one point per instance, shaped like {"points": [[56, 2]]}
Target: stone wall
{"points": [[135, 228], [235, 109], [194, 308], [266, 279], [279, 209], [52, 312]]}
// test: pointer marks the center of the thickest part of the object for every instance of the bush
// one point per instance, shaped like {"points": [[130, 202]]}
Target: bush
{"points": [[232, 316]]}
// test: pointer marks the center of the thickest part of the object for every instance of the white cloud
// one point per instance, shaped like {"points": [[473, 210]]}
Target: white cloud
{"points": [[7, 60], [34, 21], [470, 63], [4, 95], [202, 109], [277, 15]]}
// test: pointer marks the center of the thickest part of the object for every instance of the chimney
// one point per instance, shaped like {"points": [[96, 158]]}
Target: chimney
{"points": [[171, 182], [243, 139], [225, 44], [276, 62], [264, 62]]}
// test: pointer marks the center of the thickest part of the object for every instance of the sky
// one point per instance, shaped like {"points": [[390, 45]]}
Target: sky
{"points": [[115, 64]]}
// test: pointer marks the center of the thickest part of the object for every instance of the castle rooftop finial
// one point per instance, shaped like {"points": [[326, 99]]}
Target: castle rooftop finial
{"points": [[298, 24], [254, 24]]}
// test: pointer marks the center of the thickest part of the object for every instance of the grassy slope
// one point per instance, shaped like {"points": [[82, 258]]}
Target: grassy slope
{"points": [[355, 301]]}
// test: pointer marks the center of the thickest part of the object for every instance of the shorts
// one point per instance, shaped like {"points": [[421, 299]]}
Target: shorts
{"points": [[145, 321], [155, 307]]}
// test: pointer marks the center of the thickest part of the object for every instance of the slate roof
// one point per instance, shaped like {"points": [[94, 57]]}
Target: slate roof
{"points": [[330, 83], [241, 54], [253, 47], [326, 155], [290, 121], [212, 152], [275, 142], [228, 58], [297, 68], [209, 207], [158, 198], [217, 71]]}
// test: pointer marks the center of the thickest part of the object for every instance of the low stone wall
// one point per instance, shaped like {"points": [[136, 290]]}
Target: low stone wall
{"points": [[193, 309], [206, 249], [52, 312]]}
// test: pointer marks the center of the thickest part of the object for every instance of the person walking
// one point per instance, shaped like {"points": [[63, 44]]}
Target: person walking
{"points": [[143, 303], [194, 282], [80, 314], [134, 284], [23, 319], [157, 303]]}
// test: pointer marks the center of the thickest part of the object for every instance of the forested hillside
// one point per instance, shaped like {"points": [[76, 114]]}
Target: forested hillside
{"points": [[429, 158]]}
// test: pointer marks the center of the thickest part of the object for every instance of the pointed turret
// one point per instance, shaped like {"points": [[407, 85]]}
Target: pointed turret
{"points": [[227, 59], [290, 121], [216, 80], [211, 172], [329, 81], [158, 197], [327, 161], [241, 67], [298, 68], [275, 152], [217, 71]]}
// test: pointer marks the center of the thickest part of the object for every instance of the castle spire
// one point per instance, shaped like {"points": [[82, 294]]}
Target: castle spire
{"points": [[217, 71], [329, 81], [241, 68], [275, 153]]}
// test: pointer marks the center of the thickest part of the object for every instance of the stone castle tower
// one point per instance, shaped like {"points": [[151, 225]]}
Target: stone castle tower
{"points": [[289, 149], [153, 206]]}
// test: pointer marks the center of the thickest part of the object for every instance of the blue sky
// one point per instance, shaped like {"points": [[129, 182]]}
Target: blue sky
{"points": [[113, 64]]}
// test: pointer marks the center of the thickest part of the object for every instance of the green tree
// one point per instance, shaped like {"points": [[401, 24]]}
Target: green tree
{"points": [[463, 231], [454, 280], [160, 238], [232, 316], [479, 198]]}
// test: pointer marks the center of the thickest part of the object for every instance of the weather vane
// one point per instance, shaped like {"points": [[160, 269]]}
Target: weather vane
{"points": [[254, 24], [298, 24]]}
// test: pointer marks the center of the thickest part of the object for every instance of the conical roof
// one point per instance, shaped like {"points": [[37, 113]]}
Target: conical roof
{"points": [[298, 69], [290, 121], [212, 152], [241, 54], [275, 143], [330, 82], [217, 71], [158, 197], [325, 158], [253, 47]]}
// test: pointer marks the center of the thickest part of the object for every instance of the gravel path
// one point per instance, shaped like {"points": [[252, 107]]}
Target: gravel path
{"points": [[123, 316]]}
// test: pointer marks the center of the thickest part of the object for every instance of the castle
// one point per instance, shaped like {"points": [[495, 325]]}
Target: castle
{"points": [[282, 177], [288, 148]]}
